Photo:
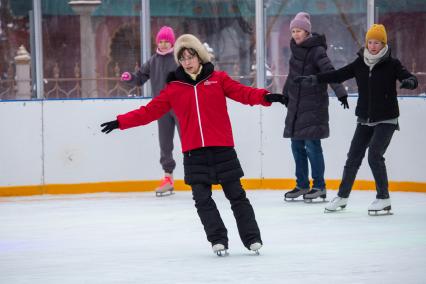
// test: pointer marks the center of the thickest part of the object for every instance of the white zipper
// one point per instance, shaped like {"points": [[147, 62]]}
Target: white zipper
{"points": [[198, 113], [196, 104]]}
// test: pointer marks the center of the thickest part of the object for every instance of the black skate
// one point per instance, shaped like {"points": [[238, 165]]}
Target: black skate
{"points": [[315, 193], [295, 193]]}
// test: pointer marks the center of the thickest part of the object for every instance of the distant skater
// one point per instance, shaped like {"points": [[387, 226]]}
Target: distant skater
{"points": [[156, 70], [306, 122]]}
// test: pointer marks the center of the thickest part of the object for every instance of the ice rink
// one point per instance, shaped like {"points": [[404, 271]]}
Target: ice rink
{"points": [[138, 238]]}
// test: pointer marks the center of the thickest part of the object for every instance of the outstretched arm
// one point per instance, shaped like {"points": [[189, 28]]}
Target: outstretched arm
{"points": [[243, 94], [140, 77], [155, 109], [336, 76], [324, 65], [408, 80]]}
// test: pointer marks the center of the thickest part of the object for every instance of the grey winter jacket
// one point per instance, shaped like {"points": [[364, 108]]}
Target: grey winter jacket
{"points": [[307, 109], [157, 68]]}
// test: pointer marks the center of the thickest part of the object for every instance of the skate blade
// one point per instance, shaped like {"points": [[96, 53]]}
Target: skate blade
{"points": [[256, 252], [340, 208], [222, 253], [164, 194], [315, 200], [384, 212], [291, 199]]}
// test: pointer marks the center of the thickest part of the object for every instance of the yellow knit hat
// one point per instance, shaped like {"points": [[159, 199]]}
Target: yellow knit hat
{"points": [[377, 32]]}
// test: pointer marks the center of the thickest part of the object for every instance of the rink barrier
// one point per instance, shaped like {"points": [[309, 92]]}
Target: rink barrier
{"points": [[150, 185]]}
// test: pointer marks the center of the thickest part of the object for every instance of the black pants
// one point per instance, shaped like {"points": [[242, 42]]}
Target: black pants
{"points": [[210, 217], [376, 139]]}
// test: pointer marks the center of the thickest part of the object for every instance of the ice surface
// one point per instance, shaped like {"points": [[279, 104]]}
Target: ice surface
{"points": [[140, 238]]}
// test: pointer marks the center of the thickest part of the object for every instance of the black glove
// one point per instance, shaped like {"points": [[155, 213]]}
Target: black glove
{"points": [[344, 101], [272, 98], [308, 80], [109, 126], [409, 83]]}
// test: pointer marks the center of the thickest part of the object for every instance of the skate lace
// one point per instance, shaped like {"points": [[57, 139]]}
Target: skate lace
{"points": [[166, 180]]}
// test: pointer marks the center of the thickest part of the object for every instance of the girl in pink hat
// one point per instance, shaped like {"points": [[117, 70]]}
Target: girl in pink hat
{"points": [[156, 70]]}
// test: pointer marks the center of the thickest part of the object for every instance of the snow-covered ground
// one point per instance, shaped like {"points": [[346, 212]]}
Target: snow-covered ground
{"points": [[138, 238]]}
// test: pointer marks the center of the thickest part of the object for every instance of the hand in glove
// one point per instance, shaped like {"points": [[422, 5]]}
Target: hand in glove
{"points": [[109, 126], [271, 98], [308, 80], [126, 76], [344, 101], [409, 83]]}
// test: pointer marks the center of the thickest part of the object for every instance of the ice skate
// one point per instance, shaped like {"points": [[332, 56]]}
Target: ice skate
{"points": [[220, 250], [314, 193], [256, 247], [335, 204], [380, 207], [166, 187], [295, 193]]}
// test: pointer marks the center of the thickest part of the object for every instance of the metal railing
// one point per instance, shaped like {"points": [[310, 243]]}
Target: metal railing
{"points": [[112, 87]]}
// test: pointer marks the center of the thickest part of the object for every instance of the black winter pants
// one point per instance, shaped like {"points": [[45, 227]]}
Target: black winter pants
{"points": [[376, 139], [210, 217]]}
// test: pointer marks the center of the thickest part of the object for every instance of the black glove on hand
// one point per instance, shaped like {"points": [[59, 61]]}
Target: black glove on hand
{"points": [[308, 80], [409, 83], [344, 101], [272, 98], [109, 126]]}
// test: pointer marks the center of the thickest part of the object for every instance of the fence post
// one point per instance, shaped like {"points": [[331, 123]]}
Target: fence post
{"points": [[23, 79]]}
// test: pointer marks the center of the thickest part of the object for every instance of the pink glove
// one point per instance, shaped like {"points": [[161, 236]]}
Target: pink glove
{"points": [[126, 76]]}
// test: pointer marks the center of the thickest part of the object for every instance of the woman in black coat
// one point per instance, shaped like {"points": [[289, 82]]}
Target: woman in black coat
{"points": [[306, 122], [375, 72]]}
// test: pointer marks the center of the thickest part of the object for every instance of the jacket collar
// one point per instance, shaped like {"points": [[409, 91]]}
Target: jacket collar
{"points": [[299, 51], [180, 75], [385, 57]]}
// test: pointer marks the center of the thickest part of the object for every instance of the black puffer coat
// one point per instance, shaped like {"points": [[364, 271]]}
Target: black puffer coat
{"points": [[377, 96], [211, 165], [307, 110]]}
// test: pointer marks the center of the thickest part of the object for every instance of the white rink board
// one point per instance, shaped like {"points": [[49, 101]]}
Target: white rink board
{"points": [[75, 151], [21, 161]]}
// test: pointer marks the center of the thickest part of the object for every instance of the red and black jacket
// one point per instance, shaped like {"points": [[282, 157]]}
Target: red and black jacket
{"points": [[200, 106]]}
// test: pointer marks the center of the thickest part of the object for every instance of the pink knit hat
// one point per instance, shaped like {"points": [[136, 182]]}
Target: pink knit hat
{"points": [[166, 33], [301, 21]]}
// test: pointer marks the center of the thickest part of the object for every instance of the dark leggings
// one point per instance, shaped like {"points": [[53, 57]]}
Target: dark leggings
{"points": [[210, 217], [376, 139]]}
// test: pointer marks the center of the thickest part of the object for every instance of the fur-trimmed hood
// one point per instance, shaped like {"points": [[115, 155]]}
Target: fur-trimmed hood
{"points": [[190, 41], [180, 75]]}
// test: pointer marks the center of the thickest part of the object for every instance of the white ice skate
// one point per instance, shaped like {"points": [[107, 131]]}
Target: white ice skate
{"points": [[220, 250], [335, 204], [255, 247], [380, 207], [295, 193], [313, 194], [166, 187]]}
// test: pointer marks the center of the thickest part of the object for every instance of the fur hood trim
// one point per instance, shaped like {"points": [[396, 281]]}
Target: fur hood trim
{"points": [[190, 41]]}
